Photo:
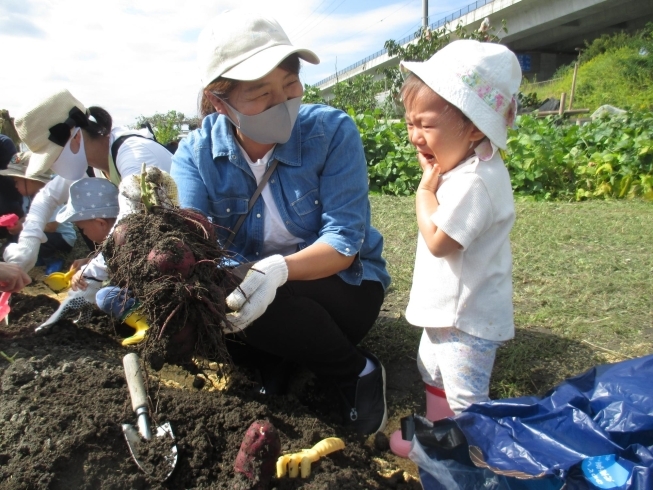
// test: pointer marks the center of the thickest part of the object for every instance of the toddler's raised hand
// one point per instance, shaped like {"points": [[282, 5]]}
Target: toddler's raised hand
{"points": [[430, 175]]}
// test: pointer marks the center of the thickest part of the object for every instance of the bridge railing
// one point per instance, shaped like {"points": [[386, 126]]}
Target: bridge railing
{"points": [[436, 25]]}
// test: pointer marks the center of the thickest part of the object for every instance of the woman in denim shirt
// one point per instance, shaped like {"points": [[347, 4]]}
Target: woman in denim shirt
{"points": [[323, 277]]}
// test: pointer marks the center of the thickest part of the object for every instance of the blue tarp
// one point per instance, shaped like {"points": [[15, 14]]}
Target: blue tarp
{"points": [[593, 431]]}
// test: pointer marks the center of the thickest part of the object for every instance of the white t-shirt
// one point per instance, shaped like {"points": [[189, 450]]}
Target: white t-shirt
{"points": [[276, 237], [470, 289], [67, 230]]}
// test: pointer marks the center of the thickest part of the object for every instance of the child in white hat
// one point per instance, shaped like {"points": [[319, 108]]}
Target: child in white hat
{"points": [[60, 237], [459, 105]]}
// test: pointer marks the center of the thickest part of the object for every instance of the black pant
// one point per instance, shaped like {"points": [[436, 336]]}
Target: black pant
{"points": [[56, 246], [316, 324]]}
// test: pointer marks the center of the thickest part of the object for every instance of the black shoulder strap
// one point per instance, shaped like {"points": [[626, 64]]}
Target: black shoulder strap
{"points": [[120, 140], [251, 202], [150, 129]]}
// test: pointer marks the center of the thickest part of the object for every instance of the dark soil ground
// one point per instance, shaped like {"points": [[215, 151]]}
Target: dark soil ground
{"points": [[64, 398]]}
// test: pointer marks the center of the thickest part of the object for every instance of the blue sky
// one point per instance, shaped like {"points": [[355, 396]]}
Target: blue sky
{"points": [[137, 57]]}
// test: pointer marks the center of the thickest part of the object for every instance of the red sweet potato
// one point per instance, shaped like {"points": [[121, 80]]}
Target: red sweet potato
{"points": [[179, 261], [119, 234], [199, 223], [258, 453]]}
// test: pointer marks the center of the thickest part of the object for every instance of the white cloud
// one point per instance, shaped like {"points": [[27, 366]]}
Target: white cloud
{"points": [[137, 57]]}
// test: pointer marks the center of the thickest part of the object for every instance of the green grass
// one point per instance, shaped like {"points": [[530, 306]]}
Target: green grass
{"points": [[619, 77], [583, 289]]}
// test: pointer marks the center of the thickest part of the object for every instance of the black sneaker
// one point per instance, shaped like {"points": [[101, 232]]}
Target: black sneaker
{"points": [[274, 379], [364, 407]]}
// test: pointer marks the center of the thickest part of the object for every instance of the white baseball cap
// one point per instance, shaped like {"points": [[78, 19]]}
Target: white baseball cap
{"points": [[243, 45]]}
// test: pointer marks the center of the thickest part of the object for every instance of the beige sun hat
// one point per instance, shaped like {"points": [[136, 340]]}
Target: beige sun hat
{"points": [[17, 167], [46, 128], [243, 45], [480, 79]]}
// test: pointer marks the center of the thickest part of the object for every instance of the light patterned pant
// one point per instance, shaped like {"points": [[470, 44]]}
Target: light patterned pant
{"points": [[458, 363]]}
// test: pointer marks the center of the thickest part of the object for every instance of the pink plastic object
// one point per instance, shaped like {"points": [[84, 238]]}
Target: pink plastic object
{"points": [[4, 305], [437, 407], [398, 445], [8, 220]]}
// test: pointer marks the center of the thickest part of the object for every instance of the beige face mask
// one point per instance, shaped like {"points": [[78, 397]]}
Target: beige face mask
{"points": [[273, 125]]}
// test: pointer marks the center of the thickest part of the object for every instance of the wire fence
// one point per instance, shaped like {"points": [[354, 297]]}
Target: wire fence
{"points": [[545, 82], [436, 25]]}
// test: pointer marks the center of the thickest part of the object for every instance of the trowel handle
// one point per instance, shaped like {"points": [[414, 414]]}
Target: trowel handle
{"points": [[135, 381]]}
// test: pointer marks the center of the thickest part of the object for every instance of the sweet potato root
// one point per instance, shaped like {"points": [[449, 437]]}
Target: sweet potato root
{"points": [[170, 260], [258, 453], [119, 234], [180, 260]]}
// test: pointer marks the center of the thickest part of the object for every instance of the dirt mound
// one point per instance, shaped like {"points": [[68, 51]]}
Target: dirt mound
{"points": [[64, 398]]}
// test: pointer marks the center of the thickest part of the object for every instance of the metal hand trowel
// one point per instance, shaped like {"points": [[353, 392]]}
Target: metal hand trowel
{"points": [[140, 440], [59, 281]]}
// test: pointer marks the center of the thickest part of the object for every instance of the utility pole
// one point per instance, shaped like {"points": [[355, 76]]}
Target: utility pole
{"points": [[425, 14]]}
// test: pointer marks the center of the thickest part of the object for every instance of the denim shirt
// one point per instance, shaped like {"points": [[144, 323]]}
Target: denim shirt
{"points": [[320, 187]]}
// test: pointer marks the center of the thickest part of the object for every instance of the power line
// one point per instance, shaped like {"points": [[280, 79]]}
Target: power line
{"points": [[325, 15], [309, 28], [301, 24], [305, 25], [378, 22], [410, 31]]}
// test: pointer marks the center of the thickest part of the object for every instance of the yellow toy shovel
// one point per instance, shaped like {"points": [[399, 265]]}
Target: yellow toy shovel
{"points": [[58, 281]]}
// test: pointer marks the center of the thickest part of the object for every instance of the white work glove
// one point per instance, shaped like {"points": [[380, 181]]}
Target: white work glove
{"points": [[82, 302], [164, 191], [250, 300], [24, 253]]}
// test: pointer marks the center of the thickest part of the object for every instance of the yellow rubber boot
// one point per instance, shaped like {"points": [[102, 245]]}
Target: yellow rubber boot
{"points": [[137, 321]]}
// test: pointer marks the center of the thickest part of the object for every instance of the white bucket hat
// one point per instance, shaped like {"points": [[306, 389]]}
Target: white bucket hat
{"points": [[242, 45], [480, 79], [90, 198], [17, 167], [46, 128]]}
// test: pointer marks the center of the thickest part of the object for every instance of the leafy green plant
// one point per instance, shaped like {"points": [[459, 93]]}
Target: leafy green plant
{"points": [[618, 40], [611, 157], [536, 159], [312, 95], [357, 93], [614, 157], [392, 165], [547, 158], [167, 127], [528, 100]]}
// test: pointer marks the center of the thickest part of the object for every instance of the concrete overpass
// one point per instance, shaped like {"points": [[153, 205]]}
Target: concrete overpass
{"points": [[543, 33]]}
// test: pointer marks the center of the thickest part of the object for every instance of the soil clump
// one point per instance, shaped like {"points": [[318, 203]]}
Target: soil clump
{"points": [[64, 398]]}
